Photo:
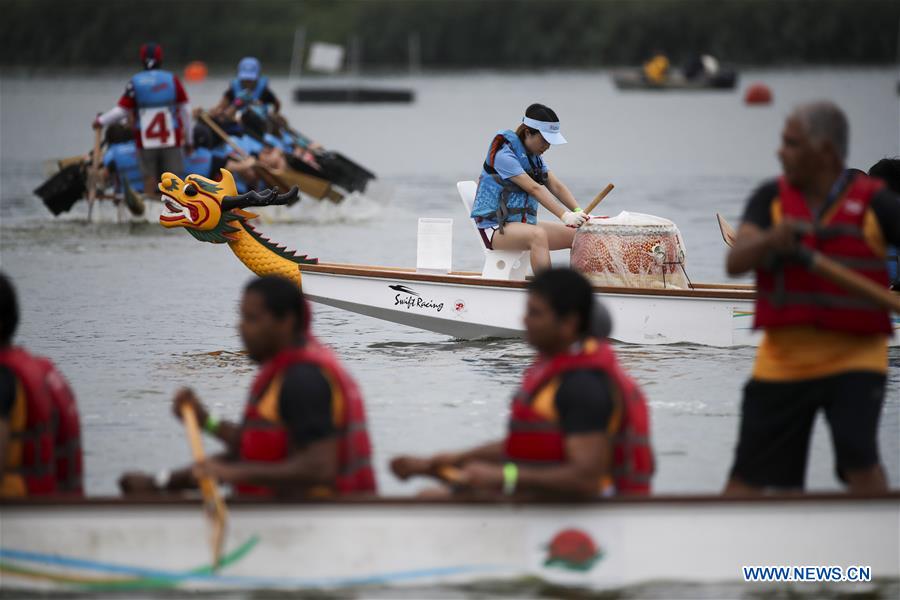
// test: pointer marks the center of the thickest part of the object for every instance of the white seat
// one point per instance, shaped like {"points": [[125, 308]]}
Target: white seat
{"points": [[498, 264]]}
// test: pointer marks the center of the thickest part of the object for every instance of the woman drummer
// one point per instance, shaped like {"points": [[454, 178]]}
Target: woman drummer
{"points": [[514, 180]]}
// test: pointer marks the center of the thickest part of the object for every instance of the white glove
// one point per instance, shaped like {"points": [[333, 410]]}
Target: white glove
{"points": [[573, 219]]}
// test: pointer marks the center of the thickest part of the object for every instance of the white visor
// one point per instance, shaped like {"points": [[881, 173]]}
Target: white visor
{"points": [[549, 130]]}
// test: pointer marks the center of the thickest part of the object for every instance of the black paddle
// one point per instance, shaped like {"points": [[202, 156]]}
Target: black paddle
{"points": [[63, 189], [336, 167]]}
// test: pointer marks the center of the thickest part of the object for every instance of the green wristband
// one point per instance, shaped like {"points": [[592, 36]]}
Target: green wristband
{"points": [[577, 209], [211, 425], [510, 478]]}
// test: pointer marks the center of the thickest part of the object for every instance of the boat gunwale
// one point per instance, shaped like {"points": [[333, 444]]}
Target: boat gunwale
{"points": [[406, 501], [710, 291]]}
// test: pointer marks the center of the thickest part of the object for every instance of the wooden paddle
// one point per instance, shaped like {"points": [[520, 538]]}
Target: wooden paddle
{"points": [[93, 174], [727, 231], [212, 500], [133, 201], [599, 198], [834, 272], [312, 186]]}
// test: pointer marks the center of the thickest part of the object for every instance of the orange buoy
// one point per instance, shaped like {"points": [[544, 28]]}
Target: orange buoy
{"points": [[195, 72], [758, 93]]}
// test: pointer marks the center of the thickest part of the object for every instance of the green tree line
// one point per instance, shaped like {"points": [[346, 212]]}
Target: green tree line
{"points": [[453, 34]]}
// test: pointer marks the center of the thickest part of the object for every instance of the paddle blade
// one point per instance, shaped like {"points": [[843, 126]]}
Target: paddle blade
{"points": [[213, 505], [727, 231], [133, 201], [63, 189]]}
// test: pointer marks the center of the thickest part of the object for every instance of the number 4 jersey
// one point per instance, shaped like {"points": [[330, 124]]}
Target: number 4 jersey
{"points": [[159, 105]]}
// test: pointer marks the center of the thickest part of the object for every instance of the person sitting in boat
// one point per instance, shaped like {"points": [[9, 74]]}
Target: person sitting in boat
{"points": [[249, 90], [267, 154], [201, 160], [888, 170], [40, 434], [578, 425], [157, 104], [515, 180], [303, 433], [823, 348], [656, 70], [298, 142], [700, 67], [121, 159]]}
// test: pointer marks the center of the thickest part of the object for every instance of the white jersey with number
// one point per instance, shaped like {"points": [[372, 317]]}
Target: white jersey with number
{"points": [[157, 127]]}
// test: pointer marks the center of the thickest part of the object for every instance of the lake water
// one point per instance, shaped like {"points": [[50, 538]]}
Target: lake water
{"points": [[131, 311]]}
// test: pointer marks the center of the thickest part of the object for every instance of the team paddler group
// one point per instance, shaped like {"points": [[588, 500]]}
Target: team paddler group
{"points": [[578, 424], [152, 130]]}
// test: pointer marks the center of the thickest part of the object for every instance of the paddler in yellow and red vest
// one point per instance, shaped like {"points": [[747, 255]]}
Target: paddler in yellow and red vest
{"points": [[40, 435], [303, 432], [822, 348], [578, 425]]}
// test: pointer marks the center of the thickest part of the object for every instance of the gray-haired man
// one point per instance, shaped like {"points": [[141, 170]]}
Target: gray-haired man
{"points": [[822, 348]]}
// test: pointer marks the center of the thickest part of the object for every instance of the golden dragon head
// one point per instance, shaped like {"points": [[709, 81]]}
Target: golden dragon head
{"points": [[208, 209]]}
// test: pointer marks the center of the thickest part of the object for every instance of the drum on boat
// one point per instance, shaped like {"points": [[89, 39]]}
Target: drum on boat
{"points": [[630, 250]]}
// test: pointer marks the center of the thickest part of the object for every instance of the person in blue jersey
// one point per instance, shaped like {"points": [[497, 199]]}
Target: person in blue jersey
{"points": [[157, 104], [200, 160], [888, 170], [515, 180], [121, 159], [250, 89], [266, 153]]}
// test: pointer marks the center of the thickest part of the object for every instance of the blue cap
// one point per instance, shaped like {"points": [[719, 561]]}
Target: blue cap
{"points": [[249, 68]]}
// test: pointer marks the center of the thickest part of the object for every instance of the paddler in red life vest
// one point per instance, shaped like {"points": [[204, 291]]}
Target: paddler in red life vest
{"points": [[158, 106], [578, 425], [515, 181], [822, 348], [303, 433], [40, 436]]}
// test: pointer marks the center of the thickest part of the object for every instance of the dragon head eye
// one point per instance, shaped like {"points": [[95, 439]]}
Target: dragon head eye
{"points": [[190, 190]]}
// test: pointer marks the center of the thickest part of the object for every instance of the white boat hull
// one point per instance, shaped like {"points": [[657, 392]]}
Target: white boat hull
{"points": [[468, 306], [110, 545]]}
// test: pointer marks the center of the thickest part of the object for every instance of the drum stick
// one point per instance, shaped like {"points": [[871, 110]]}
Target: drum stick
{"points": [[599, 199]]}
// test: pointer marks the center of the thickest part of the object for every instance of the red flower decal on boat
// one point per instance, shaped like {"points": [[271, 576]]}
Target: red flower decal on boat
{"points": [[572, 549]]}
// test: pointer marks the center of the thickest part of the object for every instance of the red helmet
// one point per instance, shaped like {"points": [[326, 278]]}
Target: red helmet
{"points": [[151, 55]]}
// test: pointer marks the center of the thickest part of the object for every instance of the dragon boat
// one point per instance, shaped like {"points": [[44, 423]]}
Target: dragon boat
{"points": [[467, 305], [124, 546]]}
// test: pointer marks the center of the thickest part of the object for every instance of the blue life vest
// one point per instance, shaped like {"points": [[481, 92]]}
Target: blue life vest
{"points": [[124, 158], [249, 144], [199, 162], [288, 142], [155, 88], [894, 263], [221, 152], [499, 201], [251, 98]]}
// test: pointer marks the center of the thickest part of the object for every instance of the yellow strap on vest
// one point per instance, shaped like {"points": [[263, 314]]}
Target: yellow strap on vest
{"points": [[268, 404]]}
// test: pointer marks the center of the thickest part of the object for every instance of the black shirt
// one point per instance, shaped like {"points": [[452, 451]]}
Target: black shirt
{"points": [[584, 401], [267, 97], [8, 390], [885, 204], [305, 405]]}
